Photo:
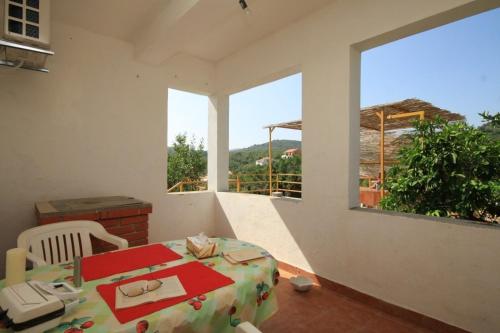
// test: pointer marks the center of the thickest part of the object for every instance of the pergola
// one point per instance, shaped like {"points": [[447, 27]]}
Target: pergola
{"points": [[294, 125], [381, 118]]}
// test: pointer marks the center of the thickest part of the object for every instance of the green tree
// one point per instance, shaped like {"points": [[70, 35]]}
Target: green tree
{"points": [[491, 119], [491, 125], [186, 161], [448, 169], [288, 165]]}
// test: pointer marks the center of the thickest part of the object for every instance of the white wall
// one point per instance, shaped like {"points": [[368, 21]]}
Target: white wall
{"points": [[94, 126], [444, 270]]}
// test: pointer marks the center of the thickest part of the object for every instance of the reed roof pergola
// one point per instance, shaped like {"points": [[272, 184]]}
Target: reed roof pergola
{"points": [[296, 125], [380, 118], [400, 113]]}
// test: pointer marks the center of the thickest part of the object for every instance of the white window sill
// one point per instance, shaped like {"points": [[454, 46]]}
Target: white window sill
{"points": [[426, 218]]}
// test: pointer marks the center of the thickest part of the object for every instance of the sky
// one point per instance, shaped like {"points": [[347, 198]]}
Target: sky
{"points": [[455, 67], [187, 114]]}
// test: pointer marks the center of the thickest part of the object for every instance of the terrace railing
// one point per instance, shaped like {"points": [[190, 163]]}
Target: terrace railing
{"points": [[290, 184], [189, 186]]}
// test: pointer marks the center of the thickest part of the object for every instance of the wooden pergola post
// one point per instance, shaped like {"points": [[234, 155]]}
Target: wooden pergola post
{"points": [[382, 139], [270, 161], [420, 114], [295, 125]]}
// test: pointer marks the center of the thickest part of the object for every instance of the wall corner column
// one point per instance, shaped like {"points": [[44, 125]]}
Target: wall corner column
{"points": [[354, 126], [218, 142]]}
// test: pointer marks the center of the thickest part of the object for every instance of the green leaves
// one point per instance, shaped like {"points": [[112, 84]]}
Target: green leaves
{"points": [[120, 278], [186, 161], [64, 325], [235, 322], [492, 120], [262, 287], [79, 321], [448, 169]]}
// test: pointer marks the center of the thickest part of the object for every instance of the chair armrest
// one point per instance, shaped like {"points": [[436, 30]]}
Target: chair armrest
{"points": [[37, 261], [246, 327], [115, 240]]}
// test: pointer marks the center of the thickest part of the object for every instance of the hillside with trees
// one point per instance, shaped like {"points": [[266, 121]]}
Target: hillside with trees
{"points": [[491, 125], [187, 161], [243, 160]]}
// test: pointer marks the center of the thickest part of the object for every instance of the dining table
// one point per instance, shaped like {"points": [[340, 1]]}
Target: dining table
{"points": [[251, 297]]}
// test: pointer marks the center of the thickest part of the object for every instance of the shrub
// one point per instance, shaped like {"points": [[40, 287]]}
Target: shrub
{"points": [[448, 169], [186, 161]]}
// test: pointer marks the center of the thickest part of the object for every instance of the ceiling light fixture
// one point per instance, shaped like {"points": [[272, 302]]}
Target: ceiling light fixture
{"points": [[244, 6]]}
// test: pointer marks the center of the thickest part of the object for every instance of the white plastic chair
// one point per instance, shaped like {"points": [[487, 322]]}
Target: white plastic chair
{"points": [[246, 327], [59, 243]]}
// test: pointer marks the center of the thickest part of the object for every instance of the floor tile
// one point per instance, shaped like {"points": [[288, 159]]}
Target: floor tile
{"points": [[323, 310]]}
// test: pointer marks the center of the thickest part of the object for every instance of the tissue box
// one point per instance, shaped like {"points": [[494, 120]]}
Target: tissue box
{"points": [[201, 251]]}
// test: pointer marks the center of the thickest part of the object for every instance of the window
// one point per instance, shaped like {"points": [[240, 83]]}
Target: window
{"points": [[272, 113], [411, 162], [187, 141]]}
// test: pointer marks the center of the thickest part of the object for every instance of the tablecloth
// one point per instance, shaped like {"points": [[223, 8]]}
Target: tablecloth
{"points": [[250, 298]]}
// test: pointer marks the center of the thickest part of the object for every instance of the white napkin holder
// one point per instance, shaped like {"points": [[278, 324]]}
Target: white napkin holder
{"points": [[201, 246]]}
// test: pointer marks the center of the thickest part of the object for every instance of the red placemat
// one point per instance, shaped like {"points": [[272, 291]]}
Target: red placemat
{"points": [[111, 263], [195, 277]]}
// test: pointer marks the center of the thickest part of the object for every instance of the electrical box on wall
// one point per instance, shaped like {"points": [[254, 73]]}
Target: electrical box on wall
{"points": [[25, 34], [27, 21]]}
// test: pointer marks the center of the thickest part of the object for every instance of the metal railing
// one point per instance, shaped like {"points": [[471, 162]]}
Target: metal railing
{"points": [[288, 183], [189, 186]]}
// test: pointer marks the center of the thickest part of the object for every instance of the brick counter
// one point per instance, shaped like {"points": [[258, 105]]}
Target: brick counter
{"points": [[121, 216]]}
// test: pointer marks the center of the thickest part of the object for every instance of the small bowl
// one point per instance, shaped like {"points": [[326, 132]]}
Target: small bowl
{"points": [[301, 283]]}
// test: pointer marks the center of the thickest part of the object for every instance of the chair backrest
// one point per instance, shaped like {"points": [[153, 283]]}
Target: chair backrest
{"points": [[59, 243]]}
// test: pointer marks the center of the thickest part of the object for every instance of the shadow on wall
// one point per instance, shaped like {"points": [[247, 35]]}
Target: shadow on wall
{"points": [[178, 215], [12, 226], [277, 225]]}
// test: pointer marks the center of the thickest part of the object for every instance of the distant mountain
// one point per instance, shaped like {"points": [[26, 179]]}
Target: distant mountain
{"points": [[243, 160], [278, 145]]}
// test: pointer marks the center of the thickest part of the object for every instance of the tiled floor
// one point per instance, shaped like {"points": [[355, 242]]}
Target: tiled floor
{"points": [[323, 310]]}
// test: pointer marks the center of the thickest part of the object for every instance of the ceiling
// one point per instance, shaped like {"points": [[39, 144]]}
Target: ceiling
{"points": [[160, 29], [114, 18]]}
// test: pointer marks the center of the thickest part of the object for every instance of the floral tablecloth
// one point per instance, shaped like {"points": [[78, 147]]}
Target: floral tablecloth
{"points": [[250, 298]]}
